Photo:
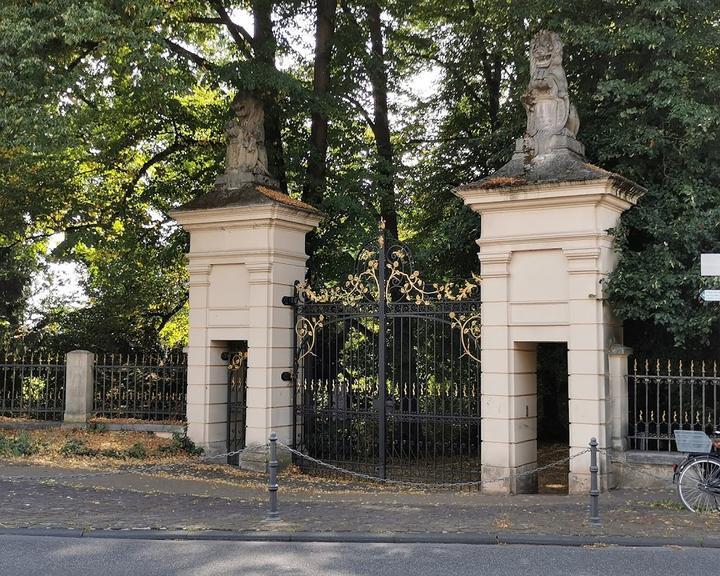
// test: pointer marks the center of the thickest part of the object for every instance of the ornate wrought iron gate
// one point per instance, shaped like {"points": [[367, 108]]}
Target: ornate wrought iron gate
{"points": [[237, 398], [387, 371]]}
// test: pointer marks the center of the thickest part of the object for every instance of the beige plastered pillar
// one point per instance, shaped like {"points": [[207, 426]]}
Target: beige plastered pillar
{"points": [[545, 251], [618, 366], [243, 260], [79, 382]]}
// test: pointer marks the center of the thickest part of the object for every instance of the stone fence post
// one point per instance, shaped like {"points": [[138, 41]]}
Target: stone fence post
{"points": [[618, 371], [79, 381]]}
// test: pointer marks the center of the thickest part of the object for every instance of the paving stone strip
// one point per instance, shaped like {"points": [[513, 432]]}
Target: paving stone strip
{"points": [[125, 500]]}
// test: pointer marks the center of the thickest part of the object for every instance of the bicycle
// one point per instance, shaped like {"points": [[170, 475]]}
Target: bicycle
{"points": [[697, 477]]}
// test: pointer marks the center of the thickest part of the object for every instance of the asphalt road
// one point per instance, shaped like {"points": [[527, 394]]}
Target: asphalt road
{"points": [[43, 555]]}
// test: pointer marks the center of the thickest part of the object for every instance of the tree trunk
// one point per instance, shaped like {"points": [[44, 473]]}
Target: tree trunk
{"points": [[314, 188], [377, 71], [492, 70], [265, 46]]}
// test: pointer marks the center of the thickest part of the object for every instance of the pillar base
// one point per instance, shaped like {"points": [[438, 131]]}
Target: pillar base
{"points": [[76, 420], [256, 459], [527, 484], [580, 483], [211, 448]]}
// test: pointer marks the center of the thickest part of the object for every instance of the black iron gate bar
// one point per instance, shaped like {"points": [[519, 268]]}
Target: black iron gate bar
{"points": [[665, 396], [390, 303], [146, 387], [32, 385]]}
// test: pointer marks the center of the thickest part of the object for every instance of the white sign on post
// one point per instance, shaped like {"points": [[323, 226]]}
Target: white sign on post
{"points": [[709, 264], [710, 295]]}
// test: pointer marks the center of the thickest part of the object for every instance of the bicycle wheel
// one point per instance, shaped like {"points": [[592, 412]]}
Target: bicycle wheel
{"points": [[699, 485]]}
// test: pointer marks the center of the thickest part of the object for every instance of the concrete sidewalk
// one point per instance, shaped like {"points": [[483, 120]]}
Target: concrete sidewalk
{"points": [[194, 500]]}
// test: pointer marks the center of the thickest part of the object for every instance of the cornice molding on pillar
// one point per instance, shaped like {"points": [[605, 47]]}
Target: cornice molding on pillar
{"points": [[619, 350], [583, 260], [494, 264], [199, 274], [260, 272], [247, 256], [603, 191], [546, 240], [274, 215]]}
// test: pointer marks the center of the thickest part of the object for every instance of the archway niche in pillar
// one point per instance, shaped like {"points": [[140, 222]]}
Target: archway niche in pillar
{"points": [[236, 357], [540, 427], [553, 417]]}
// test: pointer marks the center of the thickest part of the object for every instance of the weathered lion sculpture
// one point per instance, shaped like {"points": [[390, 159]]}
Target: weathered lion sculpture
{"points": [[246, 154], [546, 100]]}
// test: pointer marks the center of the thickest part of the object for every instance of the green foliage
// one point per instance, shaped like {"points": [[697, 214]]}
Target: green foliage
{"points": [[113, 115], [75, 447], [182, 444], [19, 445], [137, 451], [32, 388], [97, 427], [652, 115], [644, 76]]}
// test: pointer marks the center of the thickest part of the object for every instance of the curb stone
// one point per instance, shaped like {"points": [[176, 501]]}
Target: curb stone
{"points": [[364, 537]]}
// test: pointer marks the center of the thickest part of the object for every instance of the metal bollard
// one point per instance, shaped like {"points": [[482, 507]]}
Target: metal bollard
{"points": [[272, 479], [594, 491]]}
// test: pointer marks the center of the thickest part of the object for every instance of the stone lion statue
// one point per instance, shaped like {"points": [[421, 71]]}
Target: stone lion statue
{"points": [[546, 100], [245, 134]]}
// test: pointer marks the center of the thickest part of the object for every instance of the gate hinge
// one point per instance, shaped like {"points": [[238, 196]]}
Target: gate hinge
{"points": [[286, 376]]}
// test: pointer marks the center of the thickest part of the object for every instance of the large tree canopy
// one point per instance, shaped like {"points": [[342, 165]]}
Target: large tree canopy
{"points": [[113, 114]]}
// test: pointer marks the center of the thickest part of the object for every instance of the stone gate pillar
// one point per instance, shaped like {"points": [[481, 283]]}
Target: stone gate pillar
{"points": [[247, 249], [545, 251]]}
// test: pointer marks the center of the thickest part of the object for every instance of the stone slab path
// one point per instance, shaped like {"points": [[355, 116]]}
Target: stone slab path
{"points": [[43, 497]]}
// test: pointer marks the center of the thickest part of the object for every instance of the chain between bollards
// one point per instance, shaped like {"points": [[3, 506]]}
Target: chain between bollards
{"points": [[594, 490], [272, 479]]}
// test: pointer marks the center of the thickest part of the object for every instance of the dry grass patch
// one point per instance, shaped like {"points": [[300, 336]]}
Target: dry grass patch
{"points": [[70, 448]]}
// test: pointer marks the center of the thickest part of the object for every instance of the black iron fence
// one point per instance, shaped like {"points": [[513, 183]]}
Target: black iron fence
{"points": [[32, 385], [141, 387], [668, 395]]}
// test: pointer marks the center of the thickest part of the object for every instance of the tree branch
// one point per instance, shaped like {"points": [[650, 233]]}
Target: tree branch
{"points": [[189, 55], [165, 317], [150, 162], [89, 48], [219, 21], [359, 108], [242, 38], [48, 233]]}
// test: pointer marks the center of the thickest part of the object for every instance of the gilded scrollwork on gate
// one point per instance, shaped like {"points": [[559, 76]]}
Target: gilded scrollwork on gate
{"points": [[237, 360], [470, 329], [362, 285], [404, 283], [385, 278], [306, 332]]}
